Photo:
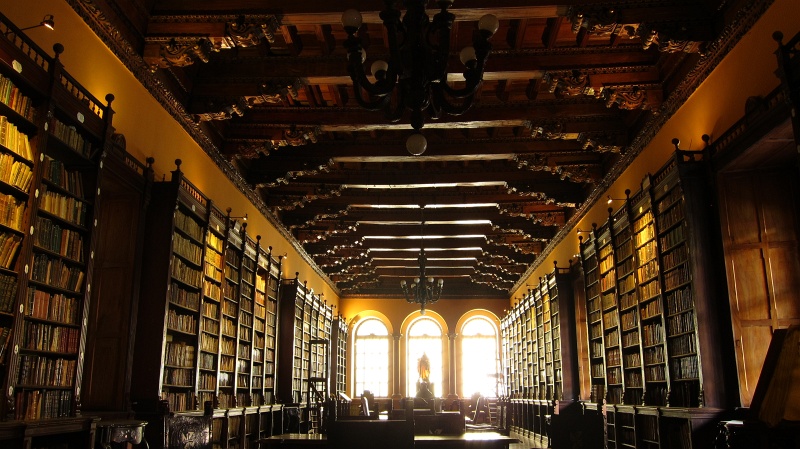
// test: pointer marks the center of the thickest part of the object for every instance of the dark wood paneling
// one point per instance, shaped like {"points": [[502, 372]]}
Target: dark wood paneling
{"points": [[760, 238]]}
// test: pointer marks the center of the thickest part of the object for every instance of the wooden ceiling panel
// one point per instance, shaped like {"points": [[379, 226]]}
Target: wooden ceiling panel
{"points": [[567, 88]]}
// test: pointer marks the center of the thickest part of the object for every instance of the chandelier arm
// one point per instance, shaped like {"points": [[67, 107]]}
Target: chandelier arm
{"points": [[442, 104], [370, 104], [394, 114], [381, 87]]}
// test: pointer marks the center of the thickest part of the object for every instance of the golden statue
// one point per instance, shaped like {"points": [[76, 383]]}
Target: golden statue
{"points": [[424, 367]]}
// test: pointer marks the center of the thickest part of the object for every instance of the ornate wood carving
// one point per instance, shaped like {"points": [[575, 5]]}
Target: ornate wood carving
{"points": [[274, 92], [177, 52], [244, 32], [571, 85]]}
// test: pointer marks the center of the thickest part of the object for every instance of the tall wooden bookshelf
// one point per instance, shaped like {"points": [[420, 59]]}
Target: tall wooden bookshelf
{"points": [[53, 135], [657, 369], [339, 347], [305, 321], [207, 348], [542, 375]]}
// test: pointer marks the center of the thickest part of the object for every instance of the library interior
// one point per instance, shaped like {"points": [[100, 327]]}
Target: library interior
{"points": [[231, 224]]}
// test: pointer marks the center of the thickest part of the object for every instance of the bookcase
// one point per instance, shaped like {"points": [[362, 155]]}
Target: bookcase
{"points": [[339, 347], [305, 322], [655, 360], [209, 290], [542, 368], [53, 135]]}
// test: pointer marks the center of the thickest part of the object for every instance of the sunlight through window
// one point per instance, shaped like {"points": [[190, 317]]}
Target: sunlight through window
{"points": [[424, 336], [479, 359], [372, 345]]}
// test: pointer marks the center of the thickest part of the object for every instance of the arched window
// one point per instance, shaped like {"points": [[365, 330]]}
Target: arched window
{"points": [[479, 359], [424, 337], [372, 345]]}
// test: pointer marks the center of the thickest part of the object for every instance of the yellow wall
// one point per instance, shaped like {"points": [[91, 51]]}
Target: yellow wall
{"points": [[714, 107], [148, 129]]}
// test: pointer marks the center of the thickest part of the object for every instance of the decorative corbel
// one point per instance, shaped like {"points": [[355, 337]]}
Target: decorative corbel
{"points": [[670, 38], [550, 131], [177, 52], [570, 85], [600, 144], [595, 20], [274, 92], [297, 136], [243, 33], [226, 110]]}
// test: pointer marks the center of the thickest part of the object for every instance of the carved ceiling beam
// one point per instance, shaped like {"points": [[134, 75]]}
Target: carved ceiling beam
{"points": [[179, 43], [532, 212], [271, 92], [579, 114], [634, 97], [228, 72], [292, 12], [165, 53], [670, 29], [488, 175], [279, 201]]}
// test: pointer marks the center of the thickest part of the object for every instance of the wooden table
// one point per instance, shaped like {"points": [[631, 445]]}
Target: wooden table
{"points": [[476, 440], [469, 440]]}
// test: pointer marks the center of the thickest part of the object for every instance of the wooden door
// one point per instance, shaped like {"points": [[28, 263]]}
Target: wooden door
{"points": [[759, 221]]}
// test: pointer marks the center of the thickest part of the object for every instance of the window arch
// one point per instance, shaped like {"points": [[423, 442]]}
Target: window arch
{"points": [[480, 368], [424, 337], [372, 349]]}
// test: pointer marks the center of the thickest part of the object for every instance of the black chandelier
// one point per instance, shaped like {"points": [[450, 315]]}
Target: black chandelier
{"points": [[415, 77], [424, 290]]}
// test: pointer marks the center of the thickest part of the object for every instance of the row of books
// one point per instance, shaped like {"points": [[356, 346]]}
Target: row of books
{"points": [[8, 292], [46, 337], [15, 140], [52, 306], [56, 273], [42, 371], [179, 354], [15, 173], [64, 241], [188, 225], [42, 404], [13, 97], [56, 172], [9, 245], [5, 341], [70, 209], [12, 211], [70, 136]]}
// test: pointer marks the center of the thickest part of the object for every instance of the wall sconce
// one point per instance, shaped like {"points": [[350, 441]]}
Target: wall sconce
{"points": [[48, 22], [627, 196], [243, 217]]}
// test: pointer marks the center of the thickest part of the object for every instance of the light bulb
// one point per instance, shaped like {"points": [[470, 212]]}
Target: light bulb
{"points": [[377, 66], [467, 55], [351, 18], [416, 144], [489, 23]]}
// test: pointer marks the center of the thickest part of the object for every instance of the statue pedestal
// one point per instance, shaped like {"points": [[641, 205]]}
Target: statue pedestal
{"points": [[424, 389]]}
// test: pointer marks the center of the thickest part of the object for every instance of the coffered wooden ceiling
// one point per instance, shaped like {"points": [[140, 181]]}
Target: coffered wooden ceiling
{"points": [[571, 93]]}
